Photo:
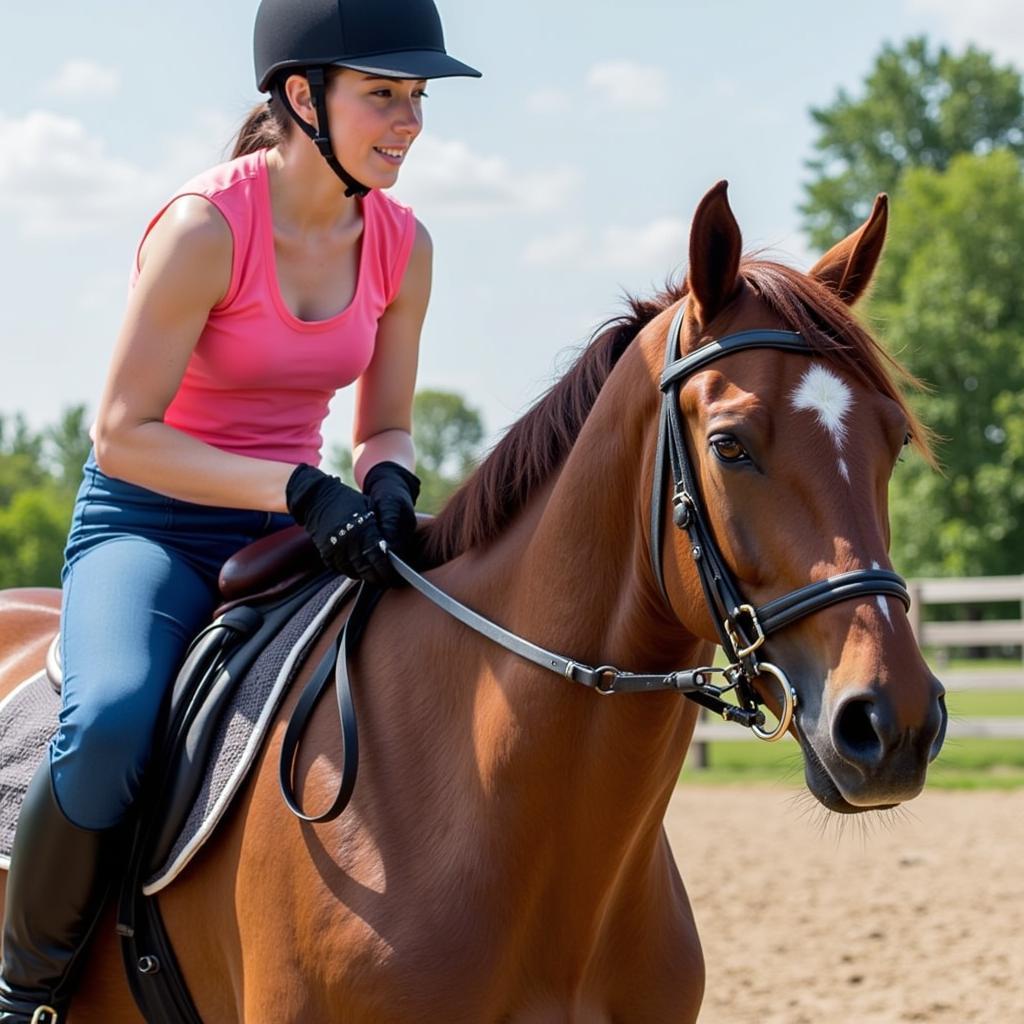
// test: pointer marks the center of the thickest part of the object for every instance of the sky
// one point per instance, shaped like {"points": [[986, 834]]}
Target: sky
{"points": [[564, 177]]}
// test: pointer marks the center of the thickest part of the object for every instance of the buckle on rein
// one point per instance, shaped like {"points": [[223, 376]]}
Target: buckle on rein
{"points": [[747, 668]]}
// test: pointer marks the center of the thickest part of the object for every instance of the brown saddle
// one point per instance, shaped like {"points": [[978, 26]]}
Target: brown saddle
{"points": [[268, 566]]}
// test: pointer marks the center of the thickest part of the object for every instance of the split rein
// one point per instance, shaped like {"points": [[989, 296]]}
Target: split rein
{"points": [[742, 628]]}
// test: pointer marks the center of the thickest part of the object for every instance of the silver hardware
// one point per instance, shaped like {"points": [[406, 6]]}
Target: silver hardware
{"points": [[788, 704], [734, 637], [44, 1015], [148, 965], [607, 675]]}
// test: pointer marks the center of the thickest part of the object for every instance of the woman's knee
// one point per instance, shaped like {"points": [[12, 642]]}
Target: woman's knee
{"points": [[98, 758]]}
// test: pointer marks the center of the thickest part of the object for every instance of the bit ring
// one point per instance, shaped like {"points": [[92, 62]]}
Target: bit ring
{"points": [[788, 704]]}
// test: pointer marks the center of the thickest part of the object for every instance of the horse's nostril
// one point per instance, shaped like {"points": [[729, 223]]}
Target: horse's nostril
{"points": [[854, 734]]}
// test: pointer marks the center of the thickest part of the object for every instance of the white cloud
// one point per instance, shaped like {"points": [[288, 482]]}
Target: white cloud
{"points": [[56, 180], [446, 177], [82, 79], [548, 101], [996, 25], [562, 250], [626, 85], [656, 247]]}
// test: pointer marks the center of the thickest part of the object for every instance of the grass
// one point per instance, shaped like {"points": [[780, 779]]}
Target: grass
{"points": [[986, 704], [963, 764]]}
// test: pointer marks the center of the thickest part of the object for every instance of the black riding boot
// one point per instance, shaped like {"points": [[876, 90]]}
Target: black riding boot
{"points": [[55, 892]]}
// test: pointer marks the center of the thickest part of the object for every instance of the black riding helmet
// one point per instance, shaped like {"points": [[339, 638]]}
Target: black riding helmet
{"points": [[394, 38]]}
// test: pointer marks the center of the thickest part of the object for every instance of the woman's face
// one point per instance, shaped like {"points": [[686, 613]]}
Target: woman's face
{"points": [[373, 122]]}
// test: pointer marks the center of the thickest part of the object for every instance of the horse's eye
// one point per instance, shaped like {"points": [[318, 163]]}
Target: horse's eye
{"points": [[728, 449], [907, 439]]}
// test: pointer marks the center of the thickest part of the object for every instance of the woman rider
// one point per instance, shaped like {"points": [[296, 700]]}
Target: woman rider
{"points": [[264, 285]]}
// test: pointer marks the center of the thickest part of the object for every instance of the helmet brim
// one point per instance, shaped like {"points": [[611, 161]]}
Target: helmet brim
{"points": [[414, 64]]}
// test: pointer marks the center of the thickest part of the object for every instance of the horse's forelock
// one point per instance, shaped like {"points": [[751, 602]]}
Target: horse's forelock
{"points": [[812, 309]]}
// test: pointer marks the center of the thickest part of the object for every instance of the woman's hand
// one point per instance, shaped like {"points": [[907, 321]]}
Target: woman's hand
{"points": [[393, 491], [342, 523]]}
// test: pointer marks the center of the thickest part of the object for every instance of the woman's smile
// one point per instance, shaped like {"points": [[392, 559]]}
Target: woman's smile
{"points": [[393, 155]]}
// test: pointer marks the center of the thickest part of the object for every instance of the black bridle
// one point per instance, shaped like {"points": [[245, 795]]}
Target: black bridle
{"points": [[742, 628]]}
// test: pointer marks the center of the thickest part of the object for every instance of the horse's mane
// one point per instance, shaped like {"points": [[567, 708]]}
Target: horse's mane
{"points": [[539, 442]]}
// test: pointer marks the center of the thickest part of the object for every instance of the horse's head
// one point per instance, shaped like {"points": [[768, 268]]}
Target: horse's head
{"points": [[792, 452]]}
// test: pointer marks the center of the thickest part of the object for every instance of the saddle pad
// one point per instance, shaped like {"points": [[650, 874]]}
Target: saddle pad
{"points": [[242, 729], [28, 718]]}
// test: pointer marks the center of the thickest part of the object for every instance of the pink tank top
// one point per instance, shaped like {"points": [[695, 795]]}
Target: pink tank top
{"points": [[260, 379]]}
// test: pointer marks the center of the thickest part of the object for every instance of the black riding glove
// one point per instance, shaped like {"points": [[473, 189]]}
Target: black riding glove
{"points": [[393, 491], [341, 522]]}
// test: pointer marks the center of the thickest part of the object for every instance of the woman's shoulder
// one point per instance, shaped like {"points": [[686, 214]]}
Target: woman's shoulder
{"points": [[397, 217], [224, 177]]}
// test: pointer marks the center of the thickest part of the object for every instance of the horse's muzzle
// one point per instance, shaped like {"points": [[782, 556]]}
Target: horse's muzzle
{"points": [[872, 755]]}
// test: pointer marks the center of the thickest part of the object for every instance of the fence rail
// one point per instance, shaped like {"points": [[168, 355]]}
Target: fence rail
{"points": [[970, 591]]}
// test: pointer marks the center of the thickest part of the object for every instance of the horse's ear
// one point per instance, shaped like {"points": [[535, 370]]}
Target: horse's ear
{"points": [[715, 246], [847, 268]]}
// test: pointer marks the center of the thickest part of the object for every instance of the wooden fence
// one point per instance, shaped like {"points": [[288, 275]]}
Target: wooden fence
{"points": [[938, 638]]}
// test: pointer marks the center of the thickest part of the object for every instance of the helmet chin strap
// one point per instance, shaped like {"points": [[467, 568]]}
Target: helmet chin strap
{"points": [[321, 134]]}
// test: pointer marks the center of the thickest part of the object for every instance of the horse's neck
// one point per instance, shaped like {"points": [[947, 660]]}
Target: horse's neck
{"points": [[572, 574]]}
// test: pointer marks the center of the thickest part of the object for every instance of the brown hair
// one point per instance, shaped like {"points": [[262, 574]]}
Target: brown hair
{"points": [[536, 445], [269, 124]]}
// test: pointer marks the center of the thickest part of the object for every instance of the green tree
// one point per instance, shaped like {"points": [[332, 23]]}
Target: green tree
{"points": [[920, 108], [448, 435], [68, 445], [950, 299], [33, 528], [39, 475]]}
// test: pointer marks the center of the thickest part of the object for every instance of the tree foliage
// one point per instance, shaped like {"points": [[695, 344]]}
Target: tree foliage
{"points": [[448, 435], [39, 474], [920, 108], [950, 300]]}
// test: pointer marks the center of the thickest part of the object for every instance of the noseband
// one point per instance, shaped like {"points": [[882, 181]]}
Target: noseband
{"points": [[742, 628]]}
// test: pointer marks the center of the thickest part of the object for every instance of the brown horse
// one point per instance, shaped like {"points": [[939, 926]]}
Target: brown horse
{"points": [[503, 859]]}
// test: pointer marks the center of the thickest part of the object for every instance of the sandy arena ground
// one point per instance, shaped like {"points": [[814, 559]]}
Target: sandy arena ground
{"points": [[915, 917]]}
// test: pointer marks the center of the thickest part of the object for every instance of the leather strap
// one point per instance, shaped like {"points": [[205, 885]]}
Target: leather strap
{"points": [[336, 658], [605, 679], [786, 341], [860, 582]]}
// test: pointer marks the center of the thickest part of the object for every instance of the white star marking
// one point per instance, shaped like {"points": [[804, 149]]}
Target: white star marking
{"points": [[820, 391]]}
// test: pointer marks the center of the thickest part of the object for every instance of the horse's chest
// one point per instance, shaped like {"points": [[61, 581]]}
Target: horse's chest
{"points": [[479, 954]]}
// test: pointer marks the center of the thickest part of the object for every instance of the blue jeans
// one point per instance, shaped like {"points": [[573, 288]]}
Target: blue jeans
{"points": [[140, 580]]}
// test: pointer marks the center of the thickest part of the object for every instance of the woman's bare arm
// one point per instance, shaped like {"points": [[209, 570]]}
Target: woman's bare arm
{"points": [[186, 271], [384, 394]]}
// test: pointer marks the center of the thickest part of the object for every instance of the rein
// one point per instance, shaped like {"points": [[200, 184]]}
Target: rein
{"points": [[742, 628]]}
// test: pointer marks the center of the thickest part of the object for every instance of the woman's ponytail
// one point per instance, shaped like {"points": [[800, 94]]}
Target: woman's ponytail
{"points": [[267, 125]]}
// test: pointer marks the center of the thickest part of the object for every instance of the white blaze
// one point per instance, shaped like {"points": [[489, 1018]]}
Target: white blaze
{"points": [[881, 600]]}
